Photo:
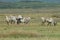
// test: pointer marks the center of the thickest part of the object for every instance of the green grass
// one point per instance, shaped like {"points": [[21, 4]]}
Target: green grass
{"points": [[31, 31]]}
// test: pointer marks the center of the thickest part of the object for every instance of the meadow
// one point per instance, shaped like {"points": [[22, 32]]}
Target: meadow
{"points": [[33, 30]]}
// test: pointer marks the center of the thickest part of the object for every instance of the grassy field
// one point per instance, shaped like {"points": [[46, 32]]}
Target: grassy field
{"points": [[33, 30]]}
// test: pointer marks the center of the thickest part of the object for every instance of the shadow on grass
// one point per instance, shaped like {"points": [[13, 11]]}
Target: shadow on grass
{"points": [[20, 34]]}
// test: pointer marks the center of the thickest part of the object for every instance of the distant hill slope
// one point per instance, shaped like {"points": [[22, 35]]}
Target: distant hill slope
{"points": [[29, 4], [53, 1]]}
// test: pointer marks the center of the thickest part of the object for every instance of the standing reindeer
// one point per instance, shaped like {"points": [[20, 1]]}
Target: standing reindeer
{"points": [[49, 21]]}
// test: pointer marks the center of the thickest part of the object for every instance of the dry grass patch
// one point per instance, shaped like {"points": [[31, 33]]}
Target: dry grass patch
{"points": [[17, 34]]}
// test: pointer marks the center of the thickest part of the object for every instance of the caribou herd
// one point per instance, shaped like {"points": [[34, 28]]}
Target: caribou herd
{"points": [[17, 19], [20, 19]]}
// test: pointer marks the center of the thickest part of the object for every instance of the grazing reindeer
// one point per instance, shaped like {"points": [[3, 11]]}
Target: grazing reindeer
{"points": [[43, 20], [11, 19], [51, 21], [7, 19], [25, 20], [19, 18]]}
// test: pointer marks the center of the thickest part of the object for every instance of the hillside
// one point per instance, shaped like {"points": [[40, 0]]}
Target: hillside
{"points": [[53, 1], [28, 4]]}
